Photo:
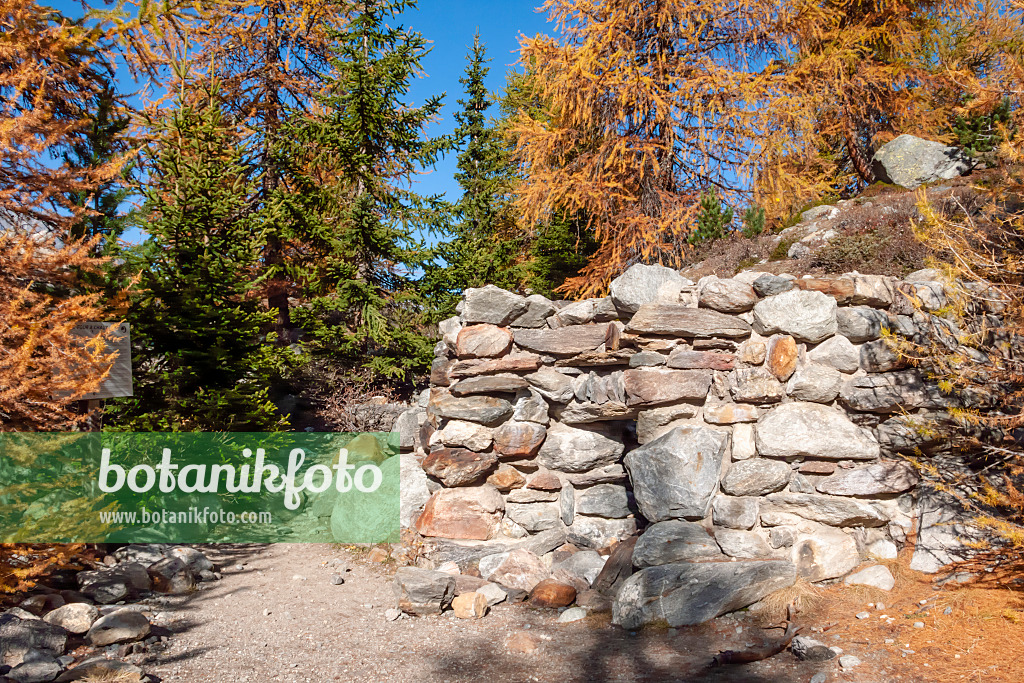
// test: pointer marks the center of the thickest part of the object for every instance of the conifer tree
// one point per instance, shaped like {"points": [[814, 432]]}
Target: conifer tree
{"points": [[199, 361], [483, 248], [356, 157]]}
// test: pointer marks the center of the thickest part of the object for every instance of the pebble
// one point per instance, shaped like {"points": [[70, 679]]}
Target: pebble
{"points": [[863, 615], [889, 641], [392, 614], [848, 661], [572, 614], [947, 611], [298, 577], [918, 624], [337, 579], [266, 613], [879, 606], [819, 677]]}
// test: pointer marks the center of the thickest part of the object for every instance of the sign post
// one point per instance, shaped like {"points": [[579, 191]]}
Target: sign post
{"points": [[119, 381]]}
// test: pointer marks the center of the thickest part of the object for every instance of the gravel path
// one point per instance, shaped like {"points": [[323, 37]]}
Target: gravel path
{"points": [[276, 616]]}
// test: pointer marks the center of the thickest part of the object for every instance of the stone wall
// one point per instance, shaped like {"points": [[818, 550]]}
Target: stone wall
{"points": [[757, 419]]}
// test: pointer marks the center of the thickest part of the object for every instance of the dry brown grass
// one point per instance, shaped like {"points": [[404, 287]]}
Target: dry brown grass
{"points": [[980, 641], [803, 595]]}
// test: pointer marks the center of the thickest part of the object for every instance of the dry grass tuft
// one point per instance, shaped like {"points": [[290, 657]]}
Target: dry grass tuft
{"points": [[803, 595]]}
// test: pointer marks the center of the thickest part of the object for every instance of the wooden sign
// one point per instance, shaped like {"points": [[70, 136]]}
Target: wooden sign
{"points": [[119, 381]]}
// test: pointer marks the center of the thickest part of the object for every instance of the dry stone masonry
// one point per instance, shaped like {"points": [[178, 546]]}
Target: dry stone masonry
{"points": [[748, 429]]}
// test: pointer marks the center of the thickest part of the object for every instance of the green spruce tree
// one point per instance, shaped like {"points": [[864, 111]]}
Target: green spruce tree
{"points": [[199, 361], [483, 247], [355, 163]]}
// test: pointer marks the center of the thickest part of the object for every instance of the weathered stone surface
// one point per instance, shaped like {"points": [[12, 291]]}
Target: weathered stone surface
{"points": [[781, 356], [886, 476], [639, 285], [463, 513], [585, 311], [489, 384], [747, 545], [891, 392], [122, 626], [817, 467], [552, 384], [861, 323], [533, 516], [414, 489], [469, 605], [726, 296], [544, 480], [449, 330], [530, 406], [599, 533], [824, 553], [567, 504], [837, 352], [603, 500], [652, 423], [684, 594], [531, 496], [483, 341], [552, 594], [521, 362], [439, 372], [756, 477], [647, 359], [506, 478], [910, 162], [38, 667], [654, 386], [908, 433], [575, 413], [815, 382], [743, 442], [483, 409], [872, 290], [20, 636], [767, 284], [492, 305], [108, 586], [538, 309], [674, 541], [682, 321], [77, 617], [597, 359], [102, 669], [458, 466], [827, 509], [586, 565], [839, 289], [701, 360], [805, 315], [519, 439], [170, 575], [735, 512], [879, 356], [755, 385], [423, 591], [675, 475], [812, 430], [519, 569], [469, 435], [578, 449], [564, 341], [608, 474], [408, 426], [875, 576], [942, 535], [730, 413]]}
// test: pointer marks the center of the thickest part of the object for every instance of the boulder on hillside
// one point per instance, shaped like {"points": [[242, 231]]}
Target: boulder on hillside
{"points": [[910, 162]]}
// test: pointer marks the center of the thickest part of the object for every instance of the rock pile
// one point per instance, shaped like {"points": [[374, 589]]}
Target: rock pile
{"points": [[749, 427], [36, 636]]}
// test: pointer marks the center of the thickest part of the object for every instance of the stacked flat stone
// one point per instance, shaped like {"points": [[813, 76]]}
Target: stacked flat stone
{"points": [[757, 419]]}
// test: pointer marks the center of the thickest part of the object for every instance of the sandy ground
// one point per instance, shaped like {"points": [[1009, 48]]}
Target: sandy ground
{"points": [[276, 616]]}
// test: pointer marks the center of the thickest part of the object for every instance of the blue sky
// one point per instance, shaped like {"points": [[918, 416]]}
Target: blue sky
{"points": [[450, 25]]}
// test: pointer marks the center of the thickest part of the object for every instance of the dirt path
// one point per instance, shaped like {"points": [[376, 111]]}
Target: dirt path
{"points": [[276, 616]]}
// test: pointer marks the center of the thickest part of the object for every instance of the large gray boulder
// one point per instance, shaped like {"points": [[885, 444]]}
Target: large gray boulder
{"points": [[685, 594], [806, 315], [910, 162], [122, 626], [598, 533], [639, 285], [575, 449], [861, 323], [603, 500], [815, 382], [19, 636], [674, 541], [676, 475], [492, 305], [726, 296], [812, 430]]}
